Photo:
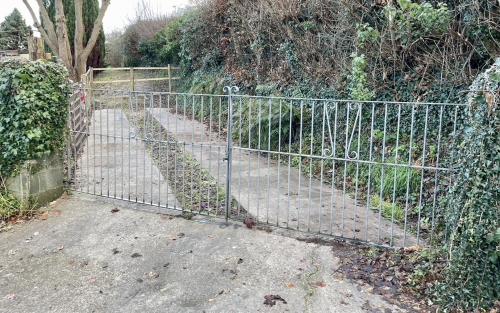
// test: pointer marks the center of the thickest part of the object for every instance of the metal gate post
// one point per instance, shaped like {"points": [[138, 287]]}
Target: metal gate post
{"points": [[230, 90]]}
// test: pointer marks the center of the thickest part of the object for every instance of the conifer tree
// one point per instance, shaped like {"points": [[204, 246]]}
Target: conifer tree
{"points": [[14, 33]]}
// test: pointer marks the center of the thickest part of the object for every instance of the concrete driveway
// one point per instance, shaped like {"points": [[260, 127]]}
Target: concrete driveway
{"points": [[82, 257]]}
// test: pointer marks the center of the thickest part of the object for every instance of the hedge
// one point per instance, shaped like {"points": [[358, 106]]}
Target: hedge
{"points": [[472, 279], [33, 111]]}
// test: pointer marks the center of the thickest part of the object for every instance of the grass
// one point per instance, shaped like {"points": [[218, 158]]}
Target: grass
{"points": [[9, 206], [388, 209]]}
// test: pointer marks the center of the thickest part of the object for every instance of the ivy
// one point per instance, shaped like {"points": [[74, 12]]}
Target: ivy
{"points": [[359, 89], [33, 111], [472, 210], [366, 34]]}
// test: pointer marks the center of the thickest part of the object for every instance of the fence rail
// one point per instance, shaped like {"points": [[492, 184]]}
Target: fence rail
{"points": [[131, 76]]}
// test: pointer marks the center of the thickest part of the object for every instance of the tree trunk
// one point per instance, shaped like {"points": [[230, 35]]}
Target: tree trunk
{"points": [[64, 49], [57, 37]]}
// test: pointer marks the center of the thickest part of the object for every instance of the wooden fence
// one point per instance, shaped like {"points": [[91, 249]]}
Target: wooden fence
{"points": [[130, 76]]}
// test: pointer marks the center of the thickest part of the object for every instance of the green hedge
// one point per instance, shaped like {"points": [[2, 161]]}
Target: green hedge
{"points": [[33, 111], [472, 279]]}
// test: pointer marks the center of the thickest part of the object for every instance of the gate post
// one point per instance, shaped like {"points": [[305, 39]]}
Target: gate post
{"points": [[230, 90]]}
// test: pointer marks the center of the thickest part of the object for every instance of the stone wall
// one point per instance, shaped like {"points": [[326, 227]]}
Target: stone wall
{"points": [[39, 181]]}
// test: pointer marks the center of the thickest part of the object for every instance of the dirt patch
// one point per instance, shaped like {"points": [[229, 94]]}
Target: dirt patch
{"points": [[403, 277]]}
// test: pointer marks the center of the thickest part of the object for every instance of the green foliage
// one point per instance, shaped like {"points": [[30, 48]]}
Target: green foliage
{"points": [[206, 83], [395, 180], [14, 33], [388, 209], [288, 50], [255, 124], [165, 47], [131, 50], [309, 26], [472, 209], [195, 54], [359, 89], [367, 35], [414, 21], [266, 90], [33, 111], [9, 205]]}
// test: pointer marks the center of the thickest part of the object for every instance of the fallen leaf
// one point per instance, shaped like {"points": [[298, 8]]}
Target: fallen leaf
{"points": [[153, 275], [44, 216], [11, 297], [270, 300], [60, 248], [115, 210], [136, 255], [249, 222], [290, 285], [320, 284]]}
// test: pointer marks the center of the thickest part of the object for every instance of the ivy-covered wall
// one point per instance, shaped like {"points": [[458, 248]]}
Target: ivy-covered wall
{"points": [[473, 276], [33, 112]]}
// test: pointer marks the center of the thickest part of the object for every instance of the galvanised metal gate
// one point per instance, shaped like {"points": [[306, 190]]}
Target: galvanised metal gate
{"points": [[362, 170]]}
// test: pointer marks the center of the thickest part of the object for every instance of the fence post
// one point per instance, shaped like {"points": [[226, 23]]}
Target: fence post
{"points": [[169, 79], [230, 90], [132, 80]]}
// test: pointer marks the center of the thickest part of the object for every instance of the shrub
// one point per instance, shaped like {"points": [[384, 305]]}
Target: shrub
{"points": [[418, 20], [472, 209], [9, 205], [33, 111]]}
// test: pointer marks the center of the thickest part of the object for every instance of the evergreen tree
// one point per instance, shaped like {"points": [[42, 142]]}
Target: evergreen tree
{"points": [[90, 12], [14, 33]]}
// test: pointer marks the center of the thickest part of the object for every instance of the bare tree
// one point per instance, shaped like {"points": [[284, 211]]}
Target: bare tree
{"points": [[56, 36]]}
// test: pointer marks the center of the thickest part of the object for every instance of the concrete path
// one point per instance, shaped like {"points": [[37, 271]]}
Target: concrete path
{"points": [[115, 163], [84, 258], [276, 195]]}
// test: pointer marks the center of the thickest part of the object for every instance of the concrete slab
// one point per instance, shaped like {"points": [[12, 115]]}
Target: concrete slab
{"points": [[115, 163], [280, 195], [84, 258]]}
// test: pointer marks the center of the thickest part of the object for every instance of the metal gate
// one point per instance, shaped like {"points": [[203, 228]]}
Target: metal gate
{"points": [[361, 170]]}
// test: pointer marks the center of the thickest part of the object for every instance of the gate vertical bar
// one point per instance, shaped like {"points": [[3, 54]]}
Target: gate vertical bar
{"points": [[229, 157]]}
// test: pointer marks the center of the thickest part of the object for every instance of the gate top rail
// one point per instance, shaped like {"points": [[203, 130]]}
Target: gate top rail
{"points": [[135, 68], [283, 98]]}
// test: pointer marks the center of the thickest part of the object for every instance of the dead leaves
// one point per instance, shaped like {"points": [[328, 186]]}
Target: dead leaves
{"points": [[52, 213], [11, 297], [270, 300], [44, 216], [320, 284], [249, 222]]}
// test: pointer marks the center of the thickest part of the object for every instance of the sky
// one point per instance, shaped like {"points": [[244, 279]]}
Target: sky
{"points": [[116, 17]]}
